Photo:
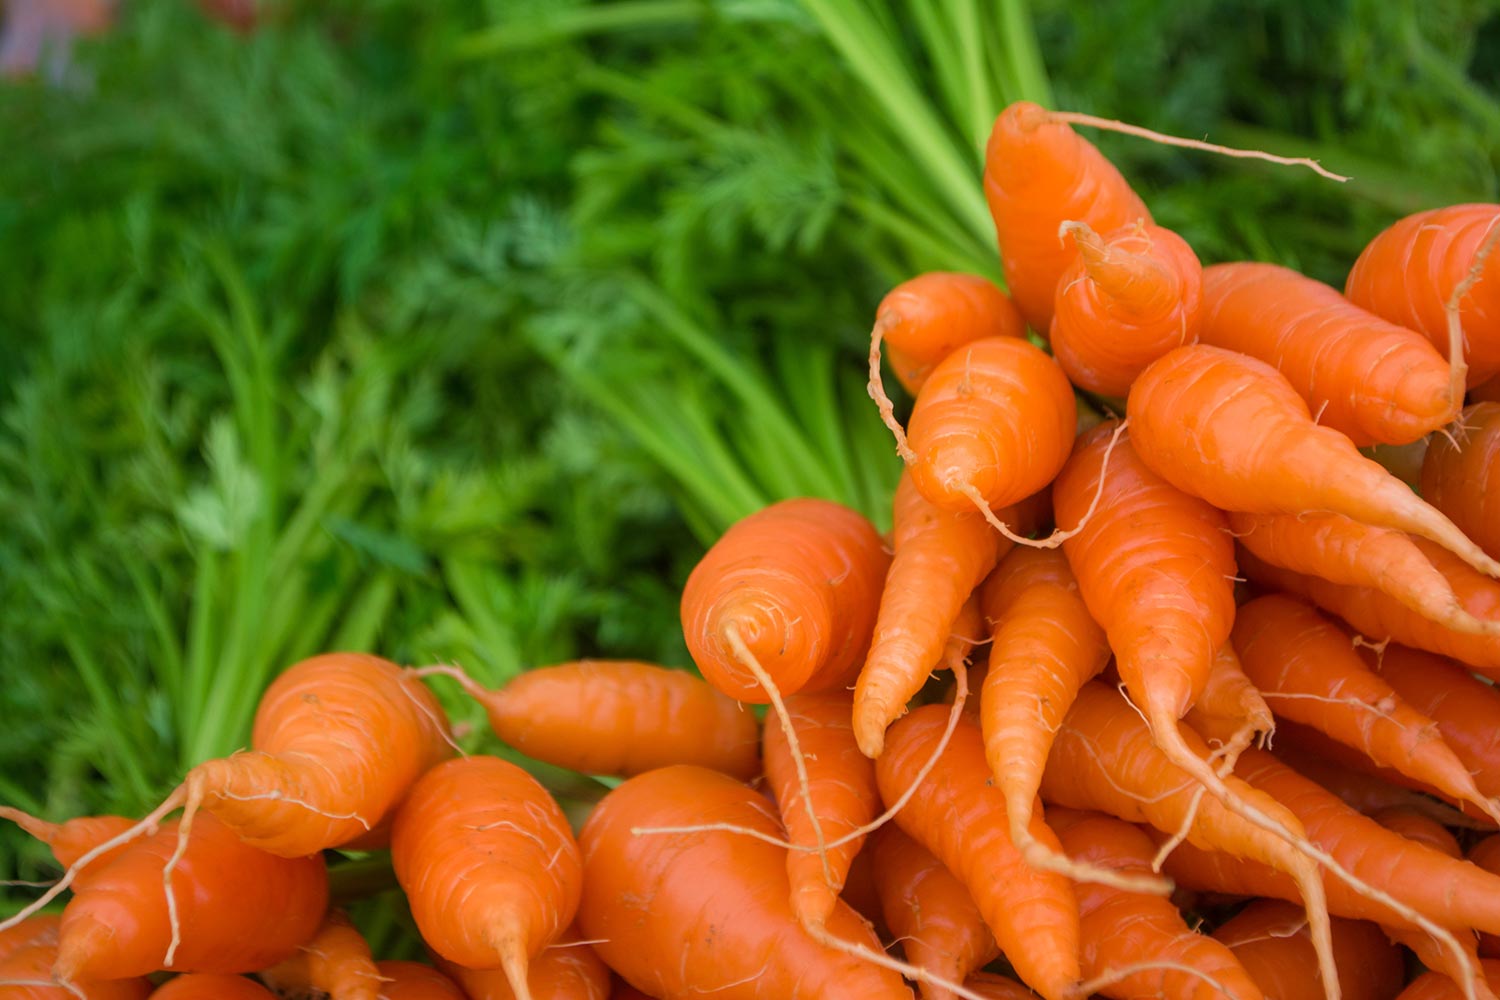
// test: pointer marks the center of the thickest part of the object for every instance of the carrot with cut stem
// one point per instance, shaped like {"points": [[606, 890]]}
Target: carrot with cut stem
{"points": [[1309, 671], [940, 557], [1232, 430], [1129, 297], [561, 972], [617, 717], [1044, 646], [211, 986], [927, 318], [336, 962], [1461, 474], [960, 816], [1269, 938], [484, 824]]}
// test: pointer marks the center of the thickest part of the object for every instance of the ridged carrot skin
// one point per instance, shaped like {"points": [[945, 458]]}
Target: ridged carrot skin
{"points": [[1466, 709], [338, 740], [240, 909], [1232, 430], [1125, 928], [484, 824], [681, 915], [623, 717], [959, 815], [929, 911], [1269, 938], [336, 963], [1155, 567], [1374, 381], [841, 785], [996, 416], [415, 981], [1408, 272], [211, 986], [1044, 646], [1129, 297], [799, 581], [1309, 671], [1376, 616], [72, 839], [1231, 710], [561, 972], [1461, 475], [27, 954], [1039, 174], [941, 556], [927, 318]]}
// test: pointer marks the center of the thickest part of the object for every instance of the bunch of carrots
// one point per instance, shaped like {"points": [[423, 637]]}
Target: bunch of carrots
{"points": [[1220, 720]]}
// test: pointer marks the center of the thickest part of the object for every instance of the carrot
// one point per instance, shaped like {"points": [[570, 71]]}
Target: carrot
{"points": [[211, 986], [1044, 647], [941, 556], [237, 908], [1461, 475], [624, 991], [1437, 986], [992, 986], [1378, 617], [1232, 430], [561, 972], [1341, 550], [1038, 174], [1486, 854], [1136, 945], [72, 839], [960, 817], [39, 929], [841, 793], [336, 962], [927, 318], [929, 911], [1371, 380], [1231, 709], [415, 981], [1308, 671], [860, 891], [710, 911], [618, 717], [1269, 937], [27, 954], [485, 824], [1129, 297], [1409, 272]]}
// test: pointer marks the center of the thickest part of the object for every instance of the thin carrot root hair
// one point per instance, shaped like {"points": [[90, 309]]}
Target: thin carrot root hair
{"points": [[1058, 535], [1230, 753], [447, 732], [1039, 856], [912, 972], [1109, 977], [1458, 364], [1113, 125], [876, 389], [146, 825]]}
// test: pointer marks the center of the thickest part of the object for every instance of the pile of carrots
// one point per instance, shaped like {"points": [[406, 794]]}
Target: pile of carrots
{"points": [[1220, 720]]}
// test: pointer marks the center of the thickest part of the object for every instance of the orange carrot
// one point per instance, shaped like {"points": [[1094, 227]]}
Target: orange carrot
{"points": [[72, 839], [1488, 392], [1136, 945], [1486, 854], [1308, 670], [336, 962], [960, 817], [561, 972], [211, 986], [239, 908], [1269, 937], [1231, 710], [618, 717], [993, 986], [27, 954], [1232, 430], [929, 911], [484, 824], [1129, 297], [841, 793], [1039, 174], [415, 981], [1408, 273], [1461, 475], [1344, 551], [927, 318], [1437, 986], [860, 891], [709, 911], [1373, 381], [941, 556]]}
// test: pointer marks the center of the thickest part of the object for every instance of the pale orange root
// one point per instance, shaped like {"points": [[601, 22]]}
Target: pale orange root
{"points": [[1175, 840], [1058, 535], [184, 829], [876, 389], [147, 824], [1111, 125], [513, 961], [1230, 752], [1457, 363], [38, 828], [1112, 976]]}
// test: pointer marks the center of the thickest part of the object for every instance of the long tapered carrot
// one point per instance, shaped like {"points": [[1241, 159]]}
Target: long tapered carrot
{"points": [[1269, 937], [927, 318], [1309, 671], [1129, 297], [1038, 174], [1461, 474], [1232, 430], [941, 556], [960, 817]]}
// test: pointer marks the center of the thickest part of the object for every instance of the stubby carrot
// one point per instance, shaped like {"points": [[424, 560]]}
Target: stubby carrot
{"points": [[484, 824], [959, 815], [1461, 474], [618, 717], [1038, 174], [1232, 430], [336, 962], [1129, 297], [1269, 937], [561, 972], [927, 318], [211, 986], [709, 911], [414, 981], [929, 911]]}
